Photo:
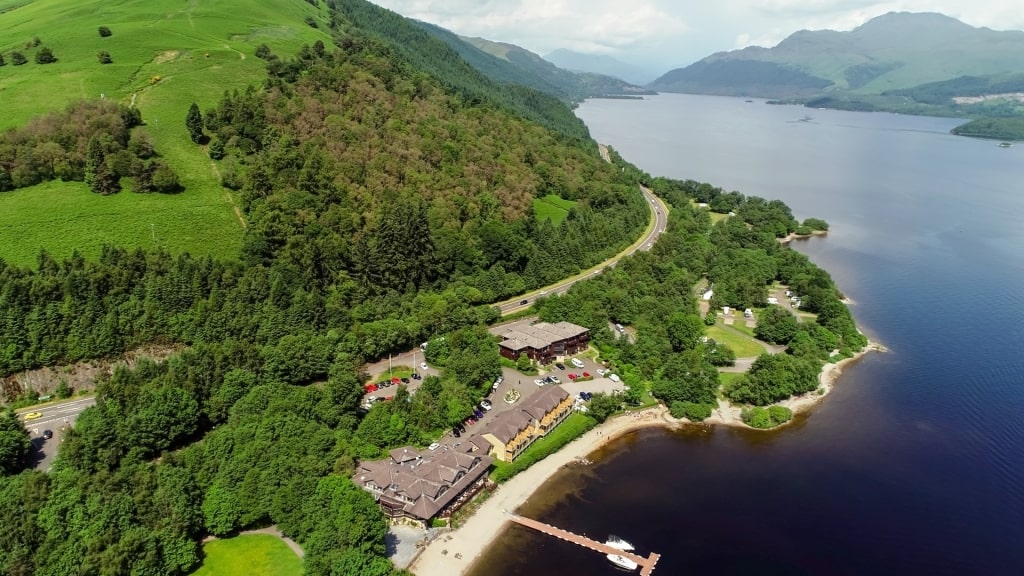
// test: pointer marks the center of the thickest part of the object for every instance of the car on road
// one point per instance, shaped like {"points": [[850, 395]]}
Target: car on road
{"points": [[33, 415], [486, 404], [559, 365], [433, 446], [47, 434], [524, 302]]}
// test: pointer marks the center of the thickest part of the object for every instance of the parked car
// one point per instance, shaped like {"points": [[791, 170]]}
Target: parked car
{"points": [[614, 378], [456, 432], [460, 427], [559, 365], [396, 380], [405, 380], [424, 366], [540, 382], [586, 375], [47, 434], [433, 446], [470, 421], [371, 387], [577, 362], [586, 396], [478, 414], [554, 380], [416, 376], [486, 404], [602, 371], [572, 376]]}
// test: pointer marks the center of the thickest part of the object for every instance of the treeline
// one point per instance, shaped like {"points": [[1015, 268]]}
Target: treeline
{"points": [[209, 442], [93, 141], [653, 293], [433, 56]]}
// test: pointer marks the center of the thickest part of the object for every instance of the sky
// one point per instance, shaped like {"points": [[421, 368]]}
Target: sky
{"points": [[663, 34]]}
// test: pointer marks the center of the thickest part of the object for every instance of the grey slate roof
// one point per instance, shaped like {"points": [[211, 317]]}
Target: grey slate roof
{"points": [[522, 334]]}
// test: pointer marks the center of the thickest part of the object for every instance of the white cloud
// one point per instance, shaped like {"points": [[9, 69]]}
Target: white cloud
{"points": [[667, 33]]}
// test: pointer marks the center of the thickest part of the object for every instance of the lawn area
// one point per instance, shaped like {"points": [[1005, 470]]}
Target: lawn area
{"points": [[552, 207], [249, 555], [727, 378], [166, 54], [741, 345]]}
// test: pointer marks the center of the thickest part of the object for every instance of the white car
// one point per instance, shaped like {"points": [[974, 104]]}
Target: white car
{"points": [[539, 382], [423, 365], [434, 446], [614, 378], [577, 363], [602, 371], [554, 380], [485, 404]]}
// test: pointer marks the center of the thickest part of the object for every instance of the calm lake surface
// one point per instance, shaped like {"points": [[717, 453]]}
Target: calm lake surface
{"points": [[915, 463]]}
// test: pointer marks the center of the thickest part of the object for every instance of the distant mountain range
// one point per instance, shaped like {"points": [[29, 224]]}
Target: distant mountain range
{"points": [[510, 64], [599, 64], [922, 63]]}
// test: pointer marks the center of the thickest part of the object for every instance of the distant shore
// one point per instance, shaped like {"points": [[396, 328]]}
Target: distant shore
{"points": [[454, 553]]}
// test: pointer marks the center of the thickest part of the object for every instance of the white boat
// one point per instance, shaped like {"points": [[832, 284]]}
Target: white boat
{"points": [[616, 542], [623, 562]]}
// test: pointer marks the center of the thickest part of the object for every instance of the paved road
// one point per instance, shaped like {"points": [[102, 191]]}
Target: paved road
{"points": [[55, 417], [660, 216]]}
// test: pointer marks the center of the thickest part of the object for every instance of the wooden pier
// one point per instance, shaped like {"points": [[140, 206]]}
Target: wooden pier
{"points": [[646, 564]]}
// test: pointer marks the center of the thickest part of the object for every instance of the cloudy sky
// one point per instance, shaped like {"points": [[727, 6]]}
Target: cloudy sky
{"points": [[663, 34]]}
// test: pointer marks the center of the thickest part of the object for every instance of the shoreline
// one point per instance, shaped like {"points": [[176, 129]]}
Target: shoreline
{"points": [[454, 553]]}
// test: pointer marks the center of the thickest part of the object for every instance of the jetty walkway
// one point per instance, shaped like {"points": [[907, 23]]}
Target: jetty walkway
{"points": [[646, 564]]}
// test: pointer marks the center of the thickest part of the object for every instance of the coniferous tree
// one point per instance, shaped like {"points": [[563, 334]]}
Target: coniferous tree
{"points": [[93, 161], [194, 123]]}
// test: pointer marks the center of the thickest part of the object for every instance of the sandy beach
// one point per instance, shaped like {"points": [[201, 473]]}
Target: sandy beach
{"points": [[453, 553], [470, 540]]}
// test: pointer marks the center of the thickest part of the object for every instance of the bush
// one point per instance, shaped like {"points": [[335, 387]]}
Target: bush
{"points": [[690, 410], [63, 389], [2, 61], [105, 32], [816, 224], [602, 406], [104, 57], [216, 148], [164, 179], [45, 56], [763, 418], [311, 22], [263, 52], [17, 58]]}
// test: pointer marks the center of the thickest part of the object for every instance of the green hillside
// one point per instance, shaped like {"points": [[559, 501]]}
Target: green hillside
{"points": [[912, 63], [164, 55], [890, 52]]}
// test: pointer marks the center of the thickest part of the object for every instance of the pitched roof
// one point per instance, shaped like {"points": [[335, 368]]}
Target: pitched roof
{"points": [[508, 424], [539, 335], [422, 482]]}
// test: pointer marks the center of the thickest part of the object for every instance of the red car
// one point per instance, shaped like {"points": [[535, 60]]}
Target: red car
{"points": [[470, 421], [371, 387], [586, 374], [572, 376], [396, 381]]}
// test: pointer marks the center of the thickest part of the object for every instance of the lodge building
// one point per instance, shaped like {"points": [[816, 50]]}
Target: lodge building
{"points": [[542, 342]]}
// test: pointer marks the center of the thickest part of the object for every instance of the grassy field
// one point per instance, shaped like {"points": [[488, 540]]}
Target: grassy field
{"points": [[727, 378], [552, 207], [166, 54], [249, 555], [742, 346]]}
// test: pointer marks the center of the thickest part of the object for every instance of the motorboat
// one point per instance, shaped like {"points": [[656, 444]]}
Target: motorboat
{"points": [[622, 562], [618, 543]]}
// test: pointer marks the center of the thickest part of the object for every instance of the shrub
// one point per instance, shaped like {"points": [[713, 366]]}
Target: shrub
{"points": [[216, 148], [104, 57], [45, 56], [63, 389], [164, 179], [105, 32], [2, 61], [763, 418], [17, 58], [263, 51], [311, 22], [690, 410]]}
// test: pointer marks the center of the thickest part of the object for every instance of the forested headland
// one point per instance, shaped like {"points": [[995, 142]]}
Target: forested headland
{"points": [[384, 205]]}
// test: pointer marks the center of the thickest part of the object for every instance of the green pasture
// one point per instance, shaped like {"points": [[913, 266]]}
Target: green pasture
{"points": [[743, 346], [552, 207], [166, 54], [249, 555]]}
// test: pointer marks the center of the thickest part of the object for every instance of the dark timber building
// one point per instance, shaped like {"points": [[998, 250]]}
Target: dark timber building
{"points": [[542, 342]]}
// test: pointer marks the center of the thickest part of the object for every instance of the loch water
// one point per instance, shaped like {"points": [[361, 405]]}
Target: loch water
{"points": [[914, 464]]}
